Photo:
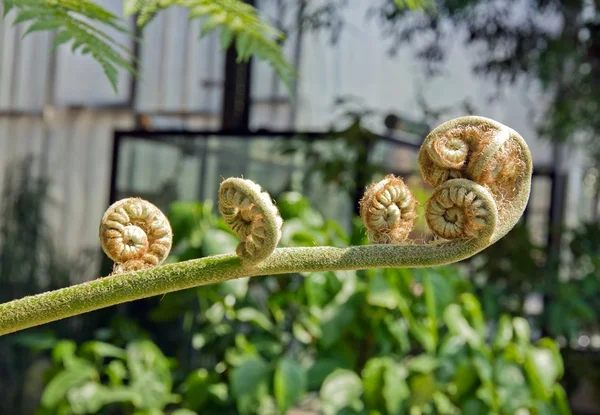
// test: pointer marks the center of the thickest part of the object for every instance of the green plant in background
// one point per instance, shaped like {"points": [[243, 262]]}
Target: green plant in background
{"points": [[25, 229], [353, 342], [84, 380], [510, 271], [29, 261], [345, 159], [567, 309]]}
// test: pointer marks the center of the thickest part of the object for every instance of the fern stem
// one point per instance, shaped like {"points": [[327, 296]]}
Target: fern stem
{"points": [[104, 292]]}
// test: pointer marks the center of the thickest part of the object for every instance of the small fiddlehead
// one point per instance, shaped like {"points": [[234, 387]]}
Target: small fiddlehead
{"points": [[481, 171], [135, 234], [251, 214], [460, 208], [388, 211]]}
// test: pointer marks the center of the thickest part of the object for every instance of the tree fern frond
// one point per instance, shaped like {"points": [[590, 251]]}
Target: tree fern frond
{"points": [[82, 22], [415, 4], [145, 9], [77, 21], [240, 22]]}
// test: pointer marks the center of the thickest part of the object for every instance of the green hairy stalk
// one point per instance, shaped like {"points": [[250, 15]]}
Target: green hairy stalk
{"points": [[481, 171]]}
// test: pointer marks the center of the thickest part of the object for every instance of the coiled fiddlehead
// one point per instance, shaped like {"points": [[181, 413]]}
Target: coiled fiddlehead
{"points": [[481, 171], [460, 208], [489, 157], [135, 234], [388, 210], [251, 214]]}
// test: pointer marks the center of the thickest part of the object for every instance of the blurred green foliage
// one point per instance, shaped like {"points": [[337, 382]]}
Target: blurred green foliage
{"points": [[390, 341], [508, 272]]}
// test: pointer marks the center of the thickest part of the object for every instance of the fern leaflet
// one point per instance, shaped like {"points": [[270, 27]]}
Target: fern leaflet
{"points": [[77, 21], [238, 22]]}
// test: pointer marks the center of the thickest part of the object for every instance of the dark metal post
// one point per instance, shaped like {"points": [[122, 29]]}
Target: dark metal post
{"points": [[236, 91], [556, 203]]}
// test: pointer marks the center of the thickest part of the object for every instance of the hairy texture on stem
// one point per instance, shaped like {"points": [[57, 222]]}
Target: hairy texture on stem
{"points": [[388, 211], [478, 199], [135, 234], [251, 214]]}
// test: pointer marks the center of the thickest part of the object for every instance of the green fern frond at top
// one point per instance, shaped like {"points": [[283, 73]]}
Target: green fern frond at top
{"points": [[77, 21], [237, 21], [415, 4], [145, 9], [83, 21]]}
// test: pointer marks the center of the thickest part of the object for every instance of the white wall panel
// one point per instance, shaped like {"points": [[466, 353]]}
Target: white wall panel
{"points": [[80, 80]]}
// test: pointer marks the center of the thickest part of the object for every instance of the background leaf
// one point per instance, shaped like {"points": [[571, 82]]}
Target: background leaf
{"points": [[341, 389], [289, 383]]}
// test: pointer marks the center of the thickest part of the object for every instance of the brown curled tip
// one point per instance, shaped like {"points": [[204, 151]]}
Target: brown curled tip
{"points": [[460, 208], [388, 211], [135, 234], [486, 153]]}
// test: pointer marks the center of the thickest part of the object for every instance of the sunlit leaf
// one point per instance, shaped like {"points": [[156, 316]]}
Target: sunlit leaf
{"points": [[195, 389], [90, 397], [289, 383], [504, 333], [422, 364], [60, 384], [246, 378], [381, 294], [322, 368], [252, 315], [422, 388], [341, 389]]}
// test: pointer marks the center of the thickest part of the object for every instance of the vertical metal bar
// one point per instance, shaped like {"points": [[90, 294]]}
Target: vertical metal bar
{"points": [[161, 67], [297, 59], [185, 69], [114, 168], [555, 208], [274, 93], [236, 91], [134, 81], [3, 25], [106, 265], [203, 168]]}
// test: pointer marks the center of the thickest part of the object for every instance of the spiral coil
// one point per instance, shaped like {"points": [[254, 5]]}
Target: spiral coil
{"points": [[388, 211], [135, 234], [251, 214]]}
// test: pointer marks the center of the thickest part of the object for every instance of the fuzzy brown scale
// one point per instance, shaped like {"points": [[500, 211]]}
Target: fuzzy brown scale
{"points": [[135, 234]]}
